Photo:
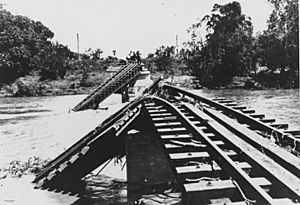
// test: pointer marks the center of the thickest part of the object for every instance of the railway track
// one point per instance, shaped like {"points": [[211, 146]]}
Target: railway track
{"points": [[214, 164], [95, 148], [266, 127], [220, 152]]}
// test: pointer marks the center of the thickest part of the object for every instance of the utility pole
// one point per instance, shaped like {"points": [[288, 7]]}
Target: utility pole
{"points": [[114, 56], [78, 46], [177, 45]]}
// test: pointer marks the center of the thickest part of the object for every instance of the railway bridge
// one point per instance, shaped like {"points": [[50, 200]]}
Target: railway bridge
{"points": [[182, 148]]}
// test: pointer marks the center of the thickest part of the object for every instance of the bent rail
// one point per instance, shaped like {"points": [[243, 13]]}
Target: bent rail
{"points": [[112, 126], [213, 157], [209, 160], [100, 136], [282, 138]]}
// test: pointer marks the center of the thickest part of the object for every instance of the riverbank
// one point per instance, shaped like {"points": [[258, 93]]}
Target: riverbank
{"points": [[31, 85], [73, 84]]}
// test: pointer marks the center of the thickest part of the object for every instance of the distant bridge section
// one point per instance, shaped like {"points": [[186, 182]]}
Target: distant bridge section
{"points": [[115, 83]]}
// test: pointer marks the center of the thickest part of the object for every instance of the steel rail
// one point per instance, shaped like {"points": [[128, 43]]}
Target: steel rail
{"points": [[186, 121], [239, 175], [283, 138], [281, 156], [104, 127], [292, 182], [91, 136]]}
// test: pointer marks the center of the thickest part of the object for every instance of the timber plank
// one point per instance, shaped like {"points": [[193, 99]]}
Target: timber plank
{"points": [[225, 101], [239, 107], [267, 120], [160, 114], [167, 124], [171, 129], [209, 189], [157, 111], [201, 167], [176, 136], [157, 119], [248, 111], [261, 181], [189, 155], [260, 116]]}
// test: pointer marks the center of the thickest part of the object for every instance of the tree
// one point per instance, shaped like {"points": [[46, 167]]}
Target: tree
{"points": [[54, 61], [166, 62], [20, 40], [26, 47], [96, 54], [227, 50], [279, 44], [164, 58]]}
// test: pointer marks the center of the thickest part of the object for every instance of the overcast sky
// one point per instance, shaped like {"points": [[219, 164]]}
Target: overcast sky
{"points": [[125, 25]]}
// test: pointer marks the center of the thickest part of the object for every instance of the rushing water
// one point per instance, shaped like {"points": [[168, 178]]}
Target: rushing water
{"points": [[44, 127], [283, 105]]}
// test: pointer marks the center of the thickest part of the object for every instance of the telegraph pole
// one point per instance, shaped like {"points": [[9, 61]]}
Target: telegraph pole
{"points": [[177, 45], [78, 46], [114, 56]]}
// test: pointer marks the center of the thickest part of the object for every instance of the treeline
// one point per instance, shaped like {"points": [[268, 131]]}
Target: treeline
{"points": [[26, 49], [230, 49]]}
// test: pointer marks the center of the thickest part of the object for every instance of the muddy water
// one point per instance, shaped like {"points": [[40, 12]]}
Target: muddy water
{"points": [[283, 105], [44, 127]]}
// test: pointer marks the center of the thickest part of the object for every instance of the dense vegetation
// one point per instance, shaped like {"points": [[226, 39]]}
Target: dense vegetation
{"points": [[26, 48], [229, 50], [32, 64]]}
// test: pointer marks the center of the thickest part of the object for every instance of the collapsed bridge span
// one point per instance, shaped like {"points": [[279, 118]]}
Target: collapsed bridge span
{"points": [[217, 151]]}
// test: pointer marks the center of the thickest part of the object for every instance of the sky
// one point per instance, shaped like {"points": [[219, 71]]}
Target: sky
{"points": [[126, 25]]}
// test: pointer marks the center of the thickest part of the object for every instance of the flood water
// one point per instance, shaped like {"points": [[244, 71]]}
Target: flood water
{"points": [[283, 105], [44, 127]]}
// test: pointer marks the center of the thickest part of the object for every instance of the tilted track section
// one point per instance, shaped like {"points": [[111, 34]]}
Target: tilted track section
{"points": [[217, 154], [95, 148], [266, 127], [215, 165], [111, 85]]}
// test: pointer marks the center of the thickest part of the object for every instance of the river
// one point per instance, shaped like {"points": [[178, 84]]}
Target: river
{"points": [[44, 126], [283, 105]]}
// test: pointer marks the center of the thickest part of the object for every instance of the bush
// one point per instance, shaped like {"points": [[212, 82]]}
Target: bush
{"points": [[28, 86]]}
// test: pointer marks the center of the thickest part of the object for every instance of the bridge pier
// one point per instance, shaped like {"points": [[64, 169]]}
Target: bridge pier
{"points": [[148, 169], [125, 96]]}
